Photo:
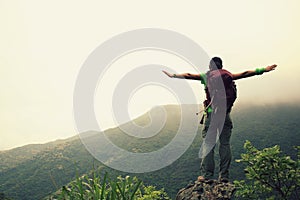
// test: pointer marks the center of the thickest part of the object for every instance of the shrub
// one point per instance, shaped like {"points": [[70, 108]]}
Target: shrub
{"points": [[269, 173], [123, 188]]}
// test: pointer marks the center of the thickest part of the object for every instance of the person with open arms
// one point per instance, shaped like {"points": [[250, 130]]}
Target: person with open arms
{"points": [[212, 105]]}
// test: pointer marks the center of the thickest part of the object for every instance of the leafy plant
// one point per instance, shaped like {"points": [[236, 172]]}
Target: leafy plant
{"points": [[270, 174], [128, 188]]}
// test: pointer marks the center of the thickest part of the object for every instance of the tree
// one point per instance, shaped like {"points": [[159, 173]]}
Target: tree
{"points": [[270, 174], [3, 196]]}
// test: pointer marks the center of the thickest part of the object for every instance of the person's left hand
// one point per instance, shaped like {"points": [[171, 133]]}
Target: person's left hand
{"points": [[270, 68]]}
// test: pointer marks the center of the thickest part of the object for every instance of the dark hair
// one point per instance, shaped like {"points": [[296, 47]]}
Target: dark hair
{"points": [[215, 62]]}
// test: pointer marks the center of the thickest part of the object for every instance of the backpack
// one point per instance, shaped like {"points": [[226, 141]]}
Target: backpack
{"points": [[214, 86]]}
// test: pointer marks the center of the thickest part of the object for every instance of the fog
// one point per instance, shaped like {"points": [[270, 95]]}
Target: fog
{"points": [[44, 44]]}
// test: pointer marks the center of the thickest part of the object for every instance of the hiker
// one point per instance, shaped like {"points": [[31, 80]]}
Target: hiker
{"points": [[213, 104]]}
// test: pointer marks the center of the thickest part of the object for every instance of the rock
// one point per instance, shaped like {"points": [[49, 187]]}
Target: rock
{"points": [[206, 190]]}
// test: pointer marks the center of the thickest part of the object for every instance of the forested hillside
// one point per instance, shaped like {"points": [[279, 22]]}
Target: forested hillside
{"points": [[34, 171]]}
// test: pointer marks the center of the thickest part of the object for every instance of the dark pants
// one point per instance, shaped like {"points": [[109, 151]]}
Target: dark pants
{"points": [[208, 163]]}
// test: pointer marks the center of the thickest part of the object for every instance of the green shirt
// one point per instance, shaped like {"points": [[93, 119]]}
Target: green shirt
{"points": [[203, 79]]}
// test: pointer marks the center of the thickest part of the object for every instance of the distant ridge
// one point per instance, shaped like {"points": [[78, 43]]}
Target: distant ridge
{"points": [[35, 171]]}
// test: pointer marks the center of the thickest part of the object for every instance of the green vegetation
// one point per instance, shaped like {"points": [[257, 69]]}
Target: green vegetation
{"points": [[3, 197], [270, 174], [14, 157], [33, 173], [95, 187]]}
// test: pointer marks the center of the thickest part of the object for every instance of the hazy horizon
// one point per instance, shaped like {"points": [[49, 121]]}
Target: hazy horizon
{"points": [[44, 45], [235, 109]]}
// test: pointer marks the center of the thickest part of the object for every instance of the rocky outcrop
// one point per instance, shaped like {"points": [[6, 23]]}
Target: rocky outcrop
{"points": [[208, 190]]}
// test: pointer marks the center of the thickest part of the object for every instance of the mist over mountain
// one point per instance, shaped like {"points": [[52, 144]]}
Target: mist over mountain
{"points": [[35, 171]]}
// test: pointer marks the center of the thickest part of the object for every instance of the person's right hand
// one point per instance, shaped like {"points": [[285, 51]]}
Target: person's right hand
{"points": [[168, 74], [270, 68]]}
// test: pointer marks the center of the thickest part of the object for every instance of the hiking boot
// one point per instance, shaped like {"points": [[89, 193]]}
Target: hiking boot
{"points": [[201, 179]]}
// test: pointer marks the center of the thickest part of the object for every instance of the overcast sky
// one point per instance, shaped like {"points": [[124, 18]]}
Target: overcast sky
{"points": [[43, 45]]}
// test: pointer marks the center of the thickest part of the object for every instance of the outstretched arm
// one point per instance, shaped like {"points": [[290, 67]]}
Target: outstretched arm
{"points": [[183, 76], [250, 73]]}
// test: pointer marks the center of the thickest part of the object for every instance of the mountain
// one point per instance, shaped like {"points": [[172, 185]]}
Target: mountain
{"points": [[12, 158], [35, 171]]}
